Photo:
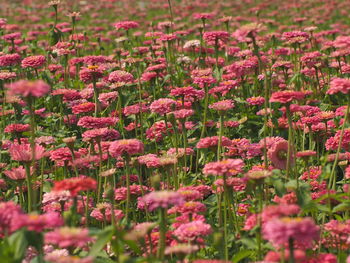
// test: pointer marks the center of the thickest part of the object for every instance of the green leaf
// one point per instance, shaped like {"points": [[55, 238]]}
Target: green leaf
{"points": [[102, 239], [241, 255], [342, 207], [18, 243]]}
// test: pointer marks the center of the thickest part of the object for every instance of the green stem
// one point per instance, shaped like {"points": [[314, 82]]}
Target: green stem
{"points": [[162, 234], [29, 186], [332, 180], [290, 140]]}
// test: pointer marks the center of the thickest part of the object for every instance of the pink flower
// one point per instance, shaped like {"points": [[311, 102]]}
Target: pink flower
{"points": [[91, 73], [339, 85], [279, 231], [286, 96], [126, 25], [193, 230], [16, 127], [103, 211], [121, 76], [213, 37], [90, 122], [212, 142], [65, 237], [18, 173], [223, 105], [162, 106], [9, 212], [182, 114], [26, 88], [160, 199], [23, 152], [75, 184], [278, 154], [8, 60], [256, 101], [83, 108], [150, 160], [135, 191], [33, 61], [203, 15], [228, 167], [38, 223], [127, 146]]}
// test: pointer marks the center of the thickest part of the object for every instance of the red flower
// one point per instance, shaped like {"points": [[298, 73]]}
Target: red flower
{"points": [[75, 184]]}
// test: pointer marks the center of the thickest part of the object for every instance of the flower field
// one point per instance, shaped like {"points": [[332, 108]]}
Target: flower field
{"points": [[174, 131]]}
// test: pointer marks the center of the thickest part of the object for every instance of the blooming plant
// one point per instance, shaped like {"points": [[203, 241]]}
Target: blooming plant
{"points": [[174, 131]]}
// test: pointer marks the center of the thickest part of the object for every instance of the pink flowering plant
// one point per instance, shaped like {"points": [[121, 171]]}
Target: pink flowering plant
{"points": [[174, 131]]}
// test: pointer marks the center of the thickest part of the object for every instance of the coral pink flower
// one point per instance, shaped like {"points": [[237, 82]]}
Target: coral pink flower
{"points": [[75, 184], [83, 108], [16, 127], [103, 211], [228, 167], [135, 191], [126, 25], [339, 85], [278, 154], [150, 160], [91, 74], [23, 152], [26, 88], [121, 76], [212, 142], [162, 106], [256, 101], [9, 212], [193, 230], [279, 231], [38, 223], [90, 122], [65, 237], [223, 105], [18, 173], [8, 60], [160, 199], [182, 114], [128, 146], [33, 62], [286, 96]]}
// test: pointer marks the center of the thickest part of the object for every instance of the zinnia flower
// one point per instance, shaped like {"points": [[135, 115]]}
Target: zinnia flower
{"points": [[160, 199], [65, 237], [193, 230], [128, 146], [278, 154], [23, 152], [26, 88], [280, 231]]}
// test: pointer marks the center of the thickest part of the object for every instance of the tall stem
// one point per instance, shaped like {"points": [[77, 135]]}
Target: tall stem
{"points": [[332, 179], [127, 170], [291, 250], [29, 186], [162, 233], [220, 135], [290, 140]]}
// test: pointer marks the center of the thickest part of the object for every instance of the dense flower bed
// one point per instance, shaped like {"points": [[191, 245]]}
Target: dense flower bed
{"points": [[174, 131]]}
